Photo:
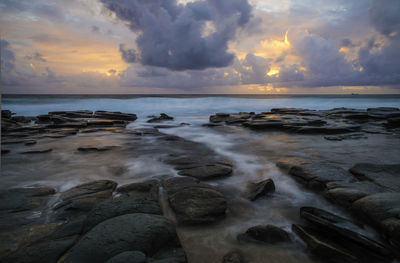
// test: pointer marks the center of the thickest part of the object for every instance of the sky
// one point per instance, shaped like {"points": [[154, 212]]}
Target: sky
{"points": [[200, 46]]}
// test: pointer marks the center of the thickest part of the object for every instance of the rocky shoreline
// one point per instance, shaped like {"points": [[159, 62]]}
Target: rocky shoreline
{"points": [[99, 221]]}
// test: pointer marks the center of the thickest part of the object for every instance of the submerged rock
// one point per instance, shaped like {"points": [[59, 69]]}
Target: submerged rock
{"points": [[142, 232], [37, 151], [207, 171], [259, 189], [194, 203], [265, 234]]}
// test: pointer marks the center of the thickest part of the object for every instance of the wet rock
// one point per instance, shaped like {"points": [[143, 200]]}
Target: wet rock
{"points": [[74, 114], [30, 142], [141, 232], [121, 206], [378, 207], [356, 136], [332, 129], [212, 125], [21, 119], [206, 171], [316, 176], [37, 151], [264, 124], [147, 189], [82, 198], [259, 189], [385, 175], [346, 193], [105, 123], [322, 248], [194, 203], [6, 114], [162, 117], [115, 115], [234, 256], [96, 148], [128, 257], [265, 234], [219, 117], [383, 112], [340, 229]]}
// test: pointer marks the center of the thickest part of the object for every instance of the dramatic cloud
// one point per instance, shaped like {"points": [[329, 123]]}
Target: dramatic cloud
{"points": [[7, 56], [181, 37], [128, 55]]}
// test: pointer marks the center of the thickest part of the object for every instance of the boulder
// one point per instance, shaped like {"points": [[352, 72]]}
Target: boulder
{"points": [[265, 234], [147, 190], [323, 248], [341, 229], [82, 198], [207, 171], [132, 232], [259, 189], [195, 203], [117, 207]]}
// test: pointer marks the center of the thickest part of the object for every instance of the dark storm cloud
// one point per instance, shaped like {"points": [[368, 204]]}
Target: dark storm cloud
{"points": [[253, 69], [7, 56], [37, 56], [128, 55], [385, 16], [172, 35]]}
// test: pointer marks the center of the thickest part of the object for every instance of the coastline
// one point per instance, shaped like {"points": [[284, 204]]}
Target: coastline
{"points": [[198, 160]]}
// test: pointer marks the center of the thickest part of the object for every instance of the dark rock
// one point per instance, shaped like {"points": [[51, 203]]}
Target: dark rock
{"points": [[128, 257], [393, 122], [328, 129], [41, 252], [383, 112], [378, 207], [30, 142], [212, 125], [37, 151], [117, 207], [4, 151], [234, 256], [96, 148], [82, 198], [323, 248], [341, 229], [346, 193], [162, 117], [45, 118], [74, 114], [20, 119], [142, 232], [104, 123], [115, 115], [219, 117], [147, 190], [259, 189], [266, 234], [6, 114], [385, 175], [195, 203], [264, 124], [174, 184], [207, 171], [166, 126], [316, 176], [287, 110], [78, 125]]}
